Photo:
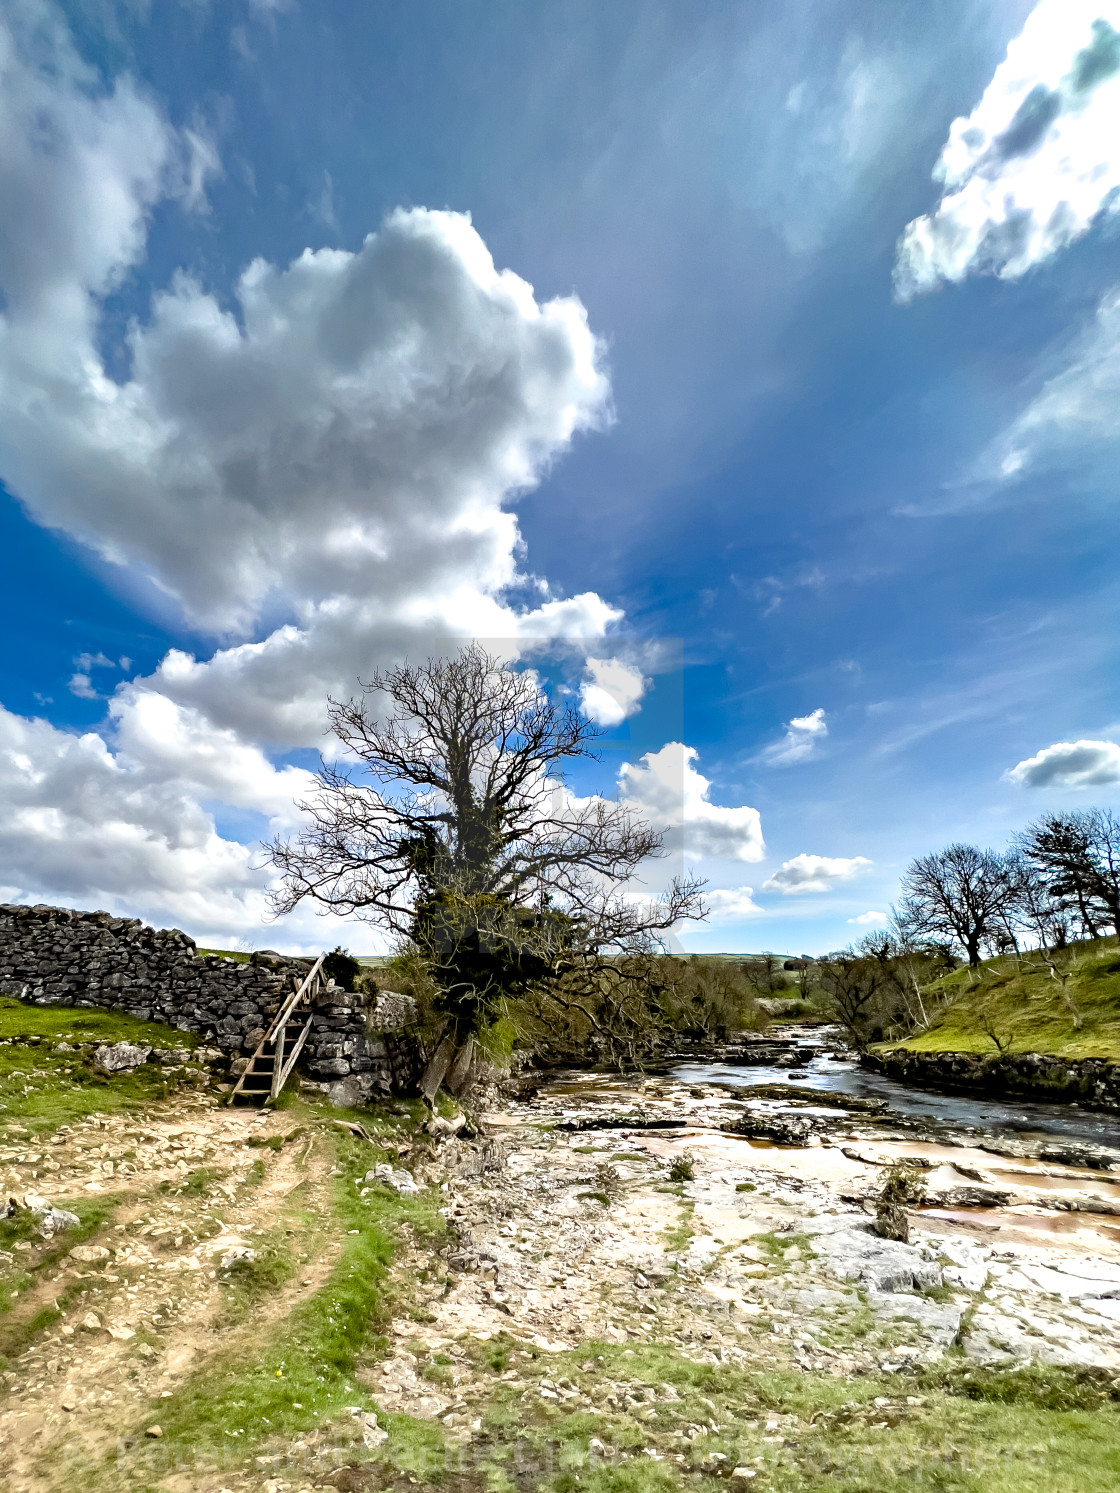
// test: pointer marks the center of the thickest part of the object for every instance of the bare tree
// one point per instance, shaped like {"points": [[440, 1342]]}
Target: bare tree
{"points": [[962, 894], [453, 830], [1078, 854], [854, 980], [1033, 910]]}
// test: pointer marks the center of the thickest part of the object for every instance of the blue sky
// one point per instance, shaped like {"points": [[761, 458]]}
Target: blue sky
{"points": [[771, 379]]}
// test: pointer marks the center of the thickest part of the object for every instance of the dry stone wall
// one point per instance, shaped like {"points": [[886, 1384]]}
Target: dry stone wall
{"points": [[55, 956]]}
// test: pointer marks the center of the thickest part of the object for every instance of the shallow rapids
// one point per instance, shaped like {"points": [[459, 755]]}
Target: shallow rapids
{"points": [[829, 1071]]}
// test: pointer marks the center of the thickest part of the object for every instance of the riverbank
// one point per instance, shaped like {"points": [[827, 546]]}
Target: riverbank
{"points": [[1040, 1077], [1058, 1003]]}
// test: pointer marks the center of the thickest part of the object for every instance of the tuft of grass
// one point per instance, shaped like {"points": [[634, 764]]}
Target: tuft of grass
{"points": [[677, 1236], [199, 1181], [248, 1281], [1035, 1386], [269, 1142], [683, 1168]]}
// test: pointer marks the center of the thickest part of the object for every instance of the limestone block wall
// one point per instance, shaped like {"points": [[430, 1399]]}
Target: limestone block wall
{"points": [[55, 956]]}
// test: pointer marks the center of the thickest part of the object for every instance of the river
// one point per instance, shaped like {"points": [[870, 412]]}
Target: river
{"points": [[830, 1071]]}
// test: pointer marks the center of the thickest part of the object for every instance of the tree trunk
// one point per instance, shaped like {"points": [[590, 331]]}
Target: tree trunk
{"points": [[437, 1068]]}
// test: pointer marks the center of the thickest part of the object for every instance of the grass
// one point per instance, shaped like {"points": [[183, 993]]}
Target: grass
{"points": [[21, 1021], [676, 1238], [42, 1088], [247, 1282], [795, 1431], [1024, 1005], [61, 1091]]}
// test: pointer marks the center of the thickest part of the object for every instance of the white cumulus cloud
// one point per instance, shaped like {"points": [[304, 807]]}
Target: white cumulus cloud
{"points": [[1035, 163], [814, 873], [803, 733], [611, 691], [731, 904], [354, 432], [870, 919], [1070, 764], [666, 788]]}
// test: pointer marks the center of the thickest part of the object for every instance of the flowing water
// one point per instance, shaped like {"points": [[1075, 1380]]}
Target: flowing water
{"points": [[829, 1071]]}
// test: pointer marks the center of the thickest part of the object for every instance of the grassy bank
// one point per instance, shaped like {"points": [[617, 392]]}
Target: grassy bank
{"points": [[1018, 1004], [47, 1080]]}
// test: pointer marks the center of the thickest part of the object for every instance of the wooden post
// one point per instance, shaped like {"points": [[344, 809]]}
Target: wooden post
{"points": [[278, 1063]]}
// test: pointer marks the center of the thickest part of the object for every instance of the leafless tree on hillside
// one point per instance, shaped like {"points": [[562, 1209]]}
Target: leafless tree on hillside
{"points": [[962, 894]]}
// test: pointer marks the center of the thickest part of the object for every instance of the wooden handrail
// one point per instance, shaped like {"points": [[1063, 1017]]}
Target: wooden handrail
{"points": [[275, 1033]]}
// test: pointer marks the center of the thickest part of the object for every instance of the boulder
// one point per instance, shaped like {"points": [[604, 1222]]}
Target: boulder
{"points": [[120, 1057], [783, 1128], [883, 1264], [940, 1322], [400, 1181]]}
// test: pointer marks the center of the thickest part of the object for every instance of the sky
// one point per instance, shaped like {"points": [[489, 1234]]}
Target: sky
{"points": [[750, 370]]}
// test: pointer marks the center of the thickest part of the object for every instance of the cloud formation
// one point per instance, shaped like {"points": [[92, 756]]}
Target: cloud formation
{"points": [[803, 734], [813, 873], [870, 919], [731, 904], [1074, 412], [354, 430], [612, 691], [666, 788], [339, 448], [127, 829], [1035, 163], [1070, 764]]}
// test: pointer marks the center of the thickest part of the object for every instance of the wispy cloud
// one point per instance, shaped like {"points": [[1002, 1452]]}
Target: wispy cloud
{"points": [[803, 735]]}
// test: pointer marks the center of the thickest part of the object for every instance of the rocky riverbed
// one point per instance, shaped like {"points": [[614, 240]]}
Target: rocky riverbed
{"points": [[653, 1210]]}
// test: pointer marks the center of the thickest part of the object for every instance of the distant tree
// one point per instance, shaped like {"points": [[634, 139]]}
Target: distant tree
{"points": [[961, 894], [453, 832], [1078, 854], [854, 981], [1044, 918], [342, 968]]}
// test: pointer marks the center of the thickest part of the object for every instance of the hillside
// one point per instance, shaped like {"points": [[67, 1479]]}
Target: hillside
{"points": [[1015, 1003]]}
